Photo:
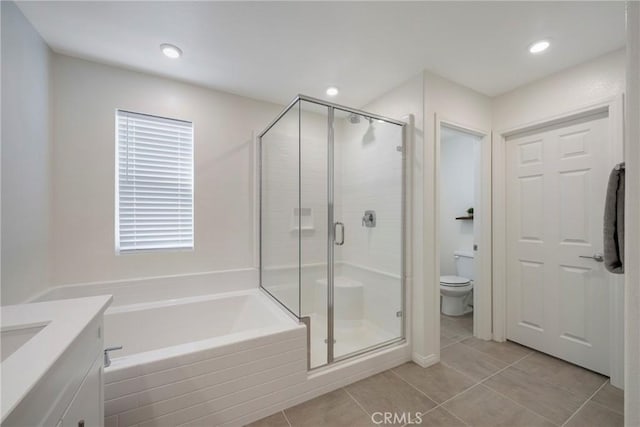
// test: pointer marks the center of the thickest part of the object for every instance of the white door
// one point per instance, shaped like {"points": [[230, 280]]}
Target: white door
{"points": [[558, 297]]}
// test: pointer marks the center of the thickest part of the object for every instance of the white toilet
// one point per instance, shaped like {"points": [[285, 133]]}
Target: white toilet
{"points": [[457, 291]]}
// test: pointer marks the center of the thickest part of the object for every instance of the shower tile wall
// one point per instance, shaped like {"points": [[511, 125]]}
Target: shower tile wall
{"points": [[369, 177]]}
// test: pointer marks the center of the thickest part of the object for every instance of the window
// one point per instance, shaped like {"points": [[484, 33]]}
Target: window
{"points": [[154, 184]]}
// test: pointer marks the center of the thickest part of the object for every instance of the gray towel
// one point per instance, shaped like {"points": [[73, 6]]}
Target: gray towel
{"points": [[614, 222]]}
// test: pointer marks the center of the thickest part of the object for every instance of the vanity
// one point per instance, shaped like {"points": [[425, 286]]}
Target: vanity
{"points": [[52, 357]]}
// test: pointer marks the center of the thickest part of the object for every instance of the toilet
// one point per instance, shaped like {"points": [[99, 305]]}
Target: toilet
{"points": [[457, 291]]}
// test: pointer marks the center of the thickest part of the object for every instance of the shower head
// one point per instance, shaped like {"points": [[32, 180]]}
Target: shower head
{"points": [[354, 119]]}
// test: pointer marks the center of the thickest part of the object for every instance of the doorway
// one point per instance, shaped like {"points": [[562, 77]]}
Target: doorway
{"points": [[557, 286], [464, 230], [575, 310]]}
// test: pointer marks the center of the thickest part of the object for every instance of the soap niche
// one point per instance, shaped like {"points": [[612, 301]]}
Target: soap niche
{"points": [[302, 219]]}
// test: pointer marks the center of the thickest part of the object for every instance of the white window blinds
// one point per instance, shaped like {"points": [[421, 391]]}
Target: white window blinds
{"points": [[154, 186]]}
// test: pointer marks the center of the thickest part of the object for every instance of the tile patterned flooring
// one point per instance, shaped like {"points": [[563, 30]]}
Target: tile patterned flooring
{"points": [[477, 383]]}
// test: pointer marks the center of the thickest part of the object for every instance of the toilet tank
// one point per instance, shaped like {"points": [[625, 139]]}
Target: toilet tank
{"points": [[464, 264]]}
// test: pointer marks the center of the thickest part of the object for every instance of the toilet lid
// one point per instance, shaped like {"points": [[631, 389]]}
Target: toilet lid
{"points": [[454, 281]]}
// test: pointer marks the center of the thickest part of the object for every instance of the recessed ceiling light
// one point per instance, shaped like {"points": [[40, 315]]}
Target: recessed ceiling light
{"points": [[332, 91], [171, 51], [539, 46]]}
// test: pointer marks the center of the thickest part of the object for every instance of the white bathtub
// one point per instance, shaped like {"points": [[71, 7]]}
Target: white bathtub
{"points": [[206, 356], [209, 360]]}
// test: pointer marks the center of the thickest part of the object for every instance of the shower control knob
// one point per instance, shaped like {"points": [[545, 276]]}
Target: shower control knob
{"points": [[369, 219]]}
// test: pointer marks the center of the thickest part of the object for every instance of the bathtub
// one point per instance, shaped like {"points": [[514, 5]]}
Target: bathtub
{"points": [[207, 357], [192, 357]]}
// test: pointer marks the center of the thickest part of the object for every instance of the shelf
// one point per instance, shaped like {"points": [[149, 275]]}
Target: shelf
{"points": [[465, 218], [303, 228]]}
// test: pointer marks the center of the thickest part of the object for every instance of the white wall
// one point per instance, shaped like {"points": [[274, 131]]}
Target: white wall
{"points": [[26, 158], [86, 95], [457, 193], [632, 219], [564, 91], [448, 101], [426, 96]]}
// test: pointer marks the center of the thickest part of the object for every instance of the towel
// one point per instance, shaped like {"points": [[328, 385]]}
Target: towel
{"points": [[614, 222]]}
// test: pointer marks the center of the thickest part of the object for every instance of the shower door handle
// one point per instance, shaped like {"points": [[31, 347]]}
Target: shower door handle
{"points": [[335, 233]]}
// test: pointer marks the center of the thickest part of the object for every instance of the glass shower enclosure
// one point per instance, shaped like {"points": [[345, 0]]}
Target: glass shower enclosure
{"points": [[331, 187]]}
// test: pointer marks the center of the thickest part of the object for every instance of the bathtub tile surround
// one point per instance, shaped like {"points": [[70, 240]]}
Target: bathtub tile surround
{"points": [[174, 376], [458, 399]]}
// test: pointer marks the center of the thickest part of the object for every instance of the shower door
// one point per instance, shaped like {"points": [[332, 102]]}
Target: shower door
{"points": [[332, 224], [367, 233]]}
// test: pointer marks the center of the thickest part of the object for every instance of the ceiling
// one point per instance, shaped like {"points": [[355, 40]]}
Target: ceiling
{"points": [[274, 50]]}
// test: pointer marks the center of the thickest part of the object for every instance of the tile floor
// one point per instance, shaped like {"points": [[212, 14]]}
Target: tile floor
{"points": [[477, 383]]}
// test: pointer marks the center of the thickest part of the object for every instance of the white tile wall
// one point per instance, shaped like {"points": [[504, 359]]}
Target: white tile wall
{"points": [[204, 383], [369, 173]]}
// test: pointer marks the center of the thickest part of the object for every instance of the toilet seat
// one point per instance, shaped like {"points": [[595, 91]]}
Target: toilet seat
{"points": [[454, 281]]}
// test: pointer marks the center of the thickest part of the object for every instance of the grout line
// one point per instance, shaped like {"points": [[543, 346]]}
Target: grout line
{"points": [[585, 402], [508, 397], [481, 383], [454, 415], [438, 405], [476, 383], [357, 403], [494, 358], [519, 404], [414, 387], [602, 405], [286, 418]]}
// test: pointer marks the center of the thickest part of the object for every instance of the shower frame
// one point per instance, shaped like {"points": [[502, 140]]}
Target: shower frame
{"points": [[331, 107]]}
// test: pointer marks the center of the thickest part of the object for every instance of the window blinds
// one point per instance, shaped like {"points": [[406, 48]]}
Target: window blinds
{"points": [[154, 186]]}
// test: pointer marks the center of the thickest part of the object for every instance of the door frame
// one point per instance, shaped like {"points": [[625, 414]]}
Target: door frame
{"points": [[482, 296], [614, 106]]}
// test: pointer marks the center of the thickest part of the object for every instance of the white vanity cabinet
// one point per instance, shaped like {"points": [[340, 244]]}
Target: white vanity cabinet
{"points": [[56, 377], [86, 408]]}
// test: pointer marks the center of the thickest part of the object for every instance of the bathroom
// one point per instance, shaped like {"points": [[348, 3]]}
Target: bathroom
{"points": [[221, 213], [459, 239]]}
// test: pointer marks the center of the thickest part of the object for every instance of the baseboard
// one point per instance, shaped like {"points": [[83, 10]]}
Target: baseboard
{"points": [[425, 361]]}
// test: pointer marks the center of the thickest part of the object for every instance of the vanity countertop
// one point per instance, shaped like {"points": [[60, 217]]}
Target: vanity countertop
{"points": [[49, 329]]}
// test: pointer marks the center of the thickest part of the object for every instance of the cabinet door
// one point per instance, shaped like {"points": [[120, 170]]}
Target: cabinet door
{"points": [[85, 409]]}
